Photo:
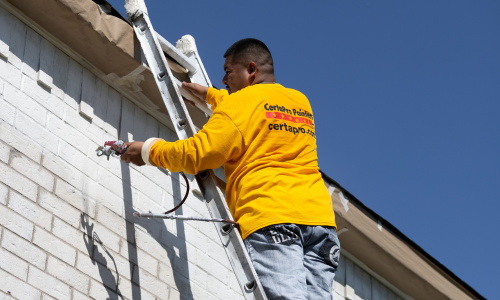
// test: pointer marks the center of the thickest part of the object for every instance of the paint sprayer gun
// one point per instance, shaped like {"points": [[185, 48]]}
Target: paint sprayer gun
{"points": [[112, 148]]}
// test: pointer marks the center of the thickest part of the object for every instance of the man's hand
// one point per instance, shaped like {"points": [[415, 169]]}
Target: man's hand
{"points": [[197, 90], [133, 154]]}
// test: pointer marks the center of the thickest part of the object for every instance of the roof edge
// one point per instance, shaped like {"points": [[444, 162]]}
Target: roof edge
{"points": [[406, 239]]}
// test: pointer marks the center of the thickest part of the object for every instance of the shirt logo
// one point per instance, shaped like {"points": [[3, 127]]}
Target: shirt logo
{"points": [[282, 116]]}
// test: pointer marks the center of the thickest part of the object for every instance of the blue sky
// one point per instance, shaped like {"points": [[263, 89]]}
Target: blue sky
{"points": [[406, 99]]}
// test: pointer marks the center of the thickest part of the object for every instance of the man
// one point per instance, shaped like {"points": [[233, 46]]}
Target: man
{"points": [[263, 133]]}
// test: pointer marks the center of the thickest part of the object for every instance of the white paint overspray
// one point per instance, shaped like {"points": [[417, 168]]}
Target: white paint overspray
{"points": [[186, 45], [135, 8]]}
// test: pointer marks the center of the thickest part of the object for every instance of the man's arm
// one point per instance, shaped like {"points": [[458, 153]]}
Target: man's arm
{"points": [[219, 141], [212, 96]]}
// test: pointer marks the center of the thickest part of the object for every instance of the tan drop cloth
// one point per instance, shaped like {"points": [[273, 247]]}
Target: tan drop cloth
{"points": [[105, 41]]}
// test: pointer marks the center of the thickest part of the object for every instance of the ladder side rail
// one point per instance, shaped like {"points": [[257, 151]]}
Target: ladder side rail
{"points": [[232, 242], [163, 77]]}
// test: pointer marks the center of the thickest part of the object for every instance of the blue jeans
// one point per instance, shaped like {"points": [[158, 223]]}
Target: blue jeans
{"points": [[295, 262]]}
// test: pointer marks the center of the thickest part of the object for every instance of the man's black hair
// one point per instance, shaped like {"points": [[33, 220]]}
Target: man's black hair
{"points": [[247, 50]]}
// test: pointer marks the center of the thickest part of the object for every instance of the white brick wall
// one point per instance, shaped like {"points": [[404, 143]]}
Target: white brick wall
{"points": [[66, 226]]}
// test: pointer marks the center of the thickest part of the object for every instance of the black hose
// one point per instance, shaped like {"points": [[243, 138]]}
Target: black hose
{"points": [[185, 196]]}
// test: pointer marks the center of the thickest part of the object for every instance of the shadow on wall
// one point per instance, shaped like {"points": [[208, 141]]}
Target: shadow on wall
{"points": [[171, 242], [98, 258]]}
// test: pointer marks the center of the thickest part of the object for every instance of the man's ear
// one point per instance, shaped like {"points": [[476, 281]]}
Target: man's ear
{"points": [[252, 70]]}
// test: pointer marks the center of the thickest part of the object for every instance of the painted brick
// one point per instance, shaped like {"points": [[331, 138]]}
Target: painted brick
{"points": [[144, 204], [2, 84], [67, 133], [29, 210], [113, 261], [49, 284], [35, 132], [73, 236], [12, 264], [53, 104], [16, 223], [78, 159], [64, 170], [137, 256], [54, 246], [47, 52], [68, 274], [103, 196], [19, 141], [72, 117], [212, 267], [233, 283], [195, 237], [174, 294], [131, 290], [150, 282], [59, 208], [7, 112], [99, 103], [4, 34], [73, 84], [4, 192], [76, 198], [97, 271], [47, 297], [17, 31], [114, 222], [181, 283], [101, 233], [158, 176], [79, 296], [31, 58], [151, 226], [33, 171], [150, 245], [220, 289], [98, 291], [178, 245], [145, 186], [178, 279], [199, 293], [10, 73], [60, 73], [23, 249], [86, 111], [167, 134], [25, 104], [4, 152], [18, 288], [113, 113], [217, 252], [18, 182], [113, 183], [127, 122]]}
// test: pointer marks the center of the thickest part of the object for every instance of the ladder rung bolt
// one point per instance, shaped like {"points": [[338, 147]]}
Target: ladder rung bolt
{"points": [[203, 174], [182, 124], [250, 286], [226, 229], [162, 75]]}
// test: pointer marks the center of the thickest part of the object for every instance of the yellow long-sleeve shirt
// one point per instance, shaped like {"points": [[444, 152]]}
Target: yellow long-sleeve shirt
{"points": [[264, 135]]}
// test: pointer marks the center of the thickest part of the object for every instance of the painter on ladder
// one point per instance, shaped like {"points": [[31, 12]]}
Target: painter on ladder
{"points": [[263, 133]]}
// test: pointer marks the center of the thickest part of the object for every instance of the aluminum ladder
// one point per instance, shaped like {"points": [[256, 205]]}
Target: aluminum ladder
{"points": [[153, 46]]}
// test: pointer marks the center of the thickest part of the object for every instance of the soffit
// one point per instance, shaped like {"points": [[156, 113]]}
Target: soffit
{"points": [[105, 42]]}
